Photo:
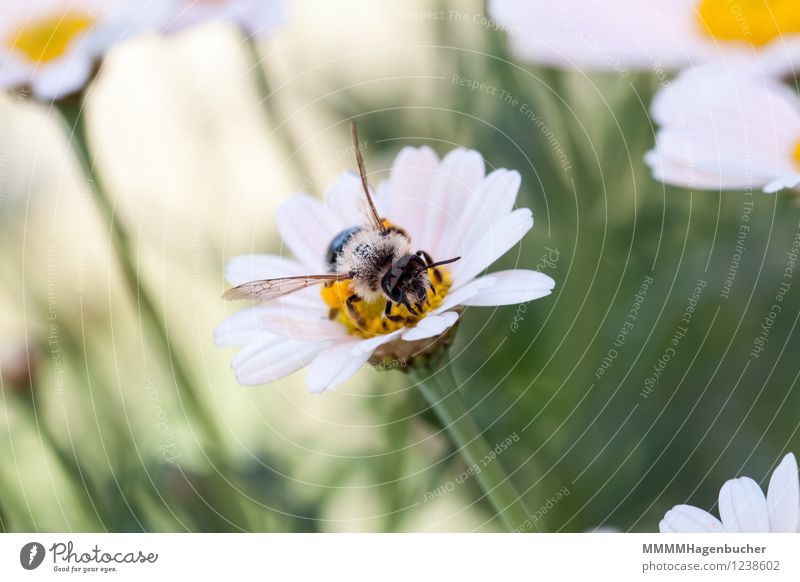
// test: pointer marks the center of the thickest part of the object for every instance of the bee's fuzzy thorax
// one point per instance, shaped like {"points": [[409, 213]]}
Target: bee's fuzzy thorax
{"points": [[367, 256]]}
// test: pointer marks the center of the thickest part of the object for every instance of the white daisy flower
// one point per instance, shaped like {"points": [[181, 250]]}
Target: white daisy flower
{"points": [[448, 208], [723, 132], [743, 507], [638, 34], [256, 17], [53, 46]]}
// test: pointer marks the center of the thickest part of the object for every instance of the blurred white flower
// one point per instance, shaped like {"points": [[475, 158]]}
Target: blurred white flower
{"points": [[256, 17], [53, 46], [726, 132], [604, 529], [448, 208], [640, 34], [743, 507]]}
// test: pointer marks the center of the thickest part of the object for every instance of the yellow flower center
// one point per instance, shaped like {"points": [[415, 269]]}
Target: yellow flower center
{"points": [[797, 154], [753, 21], [48, 38], [369, 319]]}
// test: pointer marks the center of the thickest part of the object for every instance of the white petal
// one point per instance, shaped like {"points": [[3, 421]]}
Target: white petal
{"points": [[264, 341], [60, 79], [458, 176], [664, 527], [301, 323], [742, 507], [678, 173], [783, 182], [780, 58], [346, 200], [492, 200], [336, 364], [307, 228], [705, 149], [403, 198], [689, 519], [262, 17], [241, 328], [257, 18], [13, 72], [126, 18], [496, 242], [188, 15], [613, 34], [741, 131], [511, 287], [431, 326], [267, 360], [713, 95], [372, 344], [775, 61], [343, 359], [463, 294], [783, 497], [246, 268]]}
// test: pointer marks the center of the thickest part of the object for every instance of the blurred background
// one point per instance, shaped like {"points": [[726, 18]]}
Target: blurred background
{"points": [[198, 140]]}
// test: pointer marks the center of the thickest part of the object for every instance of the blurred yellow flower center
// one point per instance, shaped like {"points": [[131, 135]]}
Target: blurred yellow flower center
{"points": [[49, 37], [370, 320], [754, 21], [797, 154]]}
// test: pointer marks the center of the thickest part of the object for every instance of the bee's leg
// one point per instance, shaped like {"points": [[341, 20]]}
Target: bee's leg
{"points": [[333, 312], [410, 308], [353, 312], [429, 261], [388, 313]]}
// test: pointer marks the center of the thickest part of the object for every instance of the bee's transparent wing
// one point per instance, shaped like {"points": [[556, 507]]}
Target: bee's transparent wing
{"points": [[269, 289]]}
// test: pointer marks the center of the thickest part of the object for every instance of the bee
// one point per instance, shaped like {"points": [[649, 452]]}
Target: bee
{"points": [[375, 258]]}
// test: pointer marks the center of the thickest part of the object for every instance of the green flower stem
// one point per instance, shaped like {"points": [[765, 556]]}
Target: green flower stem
{"points": [[537, 88], [440, 389], [93, 503], [70, 109]]}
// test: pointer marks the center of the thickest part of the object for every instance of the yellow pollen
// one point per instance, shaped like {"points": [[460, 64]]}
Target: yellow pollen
{"points": [[373, 321], [797, 154], [48, 38], [753, 21]]}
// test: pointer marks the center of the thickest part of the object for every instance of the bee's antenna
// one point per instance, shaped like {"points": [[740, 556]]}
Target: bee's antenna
{"points": [[440, 263], [363, 172]]}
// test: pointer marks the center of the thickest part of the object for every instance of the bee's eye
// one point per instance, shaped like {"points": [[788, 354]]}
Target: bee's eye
{"points": [[401, 276], [390, 284]]}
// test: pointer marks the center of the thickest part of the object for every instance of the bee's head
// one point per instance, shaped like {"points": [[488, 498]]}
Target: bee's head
{"points": [[406, 282]]}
